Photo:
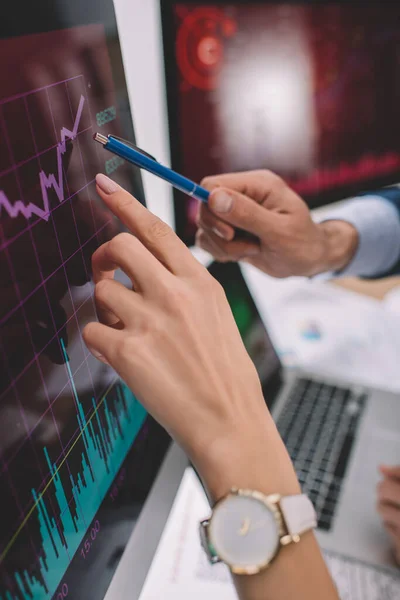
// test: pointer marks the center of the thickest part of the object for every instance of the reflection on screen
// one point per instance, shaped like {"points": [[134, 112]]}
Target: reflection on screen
{"points": [[66, 422], [309, 90]]}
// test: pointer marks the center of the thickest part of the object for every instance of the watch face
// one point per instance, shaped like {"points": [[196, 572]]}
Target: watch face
{"points": [[245, 533]]}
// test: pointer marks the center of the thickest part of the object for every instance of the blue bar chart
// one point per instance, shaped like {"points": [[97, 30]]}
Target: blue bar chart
{"points": [[105, 449]]}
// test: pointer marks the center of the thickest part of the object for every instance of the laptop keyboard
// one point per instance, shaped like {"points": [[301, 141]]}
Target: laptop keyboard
{"points": [[319, 425]]}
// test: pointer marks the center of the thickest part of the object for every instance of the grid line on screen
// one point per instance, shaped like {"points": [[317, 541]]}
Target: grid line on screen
{"points": [[63, 261], [69, 424], [25, 512]]}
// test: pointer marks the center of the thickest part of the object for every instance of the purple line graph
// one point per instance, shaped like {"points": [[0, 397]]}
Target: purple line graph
{"points": [[55, 181]]}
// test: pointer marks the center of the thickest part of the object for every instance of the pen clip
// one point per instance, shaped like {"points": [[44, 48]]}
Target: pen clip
{"points": [[119, 139]]}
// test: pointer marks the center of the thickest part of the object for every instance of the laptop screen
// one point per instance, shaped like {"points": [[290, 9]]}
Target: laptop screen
{"points": [[78, 454], [307, 89], [251, 327]]}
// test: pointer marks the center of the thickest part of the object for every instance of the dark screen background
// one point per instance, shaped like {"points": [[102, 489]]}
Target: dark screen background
{"points": [[78, 455], [307, 89], [251, 327]]}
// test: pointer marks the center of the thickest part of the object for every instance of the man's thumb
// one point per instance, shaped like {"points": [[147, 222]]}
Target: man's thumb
{"points": [[240, 211]]}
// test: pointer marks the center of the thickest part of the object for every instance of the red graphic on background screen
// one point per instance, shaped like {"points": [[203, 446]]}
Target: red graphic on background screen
{"points": [[367, 168], [200, 45], [353, 64], [352, 59], [210, 51]]}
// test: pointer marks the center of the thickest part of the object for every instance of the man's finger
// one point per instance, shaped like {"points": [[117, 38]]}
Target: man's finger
{"points": [[210, 222], [127, 253], [234, 251], [241, 212], [261, 186], [390, 515], [389, 492], [154, 234], [392, 472], [393, 532], [203, 241]]}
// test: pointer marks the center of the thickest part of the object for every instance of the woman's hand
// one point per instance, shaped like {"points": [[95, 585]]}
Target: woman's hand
{"points": [[389, 505], [173, 340], [287, 241]]}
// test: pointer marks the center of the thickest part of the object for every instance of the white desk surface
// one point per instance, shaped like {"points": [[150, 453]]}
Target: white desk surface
{"points": [[330, 330], [180, 569]]}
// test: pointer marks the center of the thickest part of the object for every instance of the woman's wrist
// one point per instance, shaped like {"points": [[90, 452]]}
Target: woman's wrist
{"points": [[257, 459], [248, 457]]}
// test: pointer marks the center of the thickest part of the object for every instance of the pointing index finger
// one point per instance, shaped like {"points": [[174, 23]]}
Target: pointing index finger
{"points": [[154, 234]]}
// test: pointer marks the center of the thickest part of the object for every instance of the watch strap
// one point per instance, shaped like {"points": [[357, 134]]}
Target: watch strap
{"points": [[299, 514]]}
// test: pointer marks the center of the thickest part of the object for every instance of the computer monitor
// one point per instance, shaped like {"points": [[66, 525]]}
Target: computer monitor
{"points": [[251, 327], [78, 453], [309, 89]]}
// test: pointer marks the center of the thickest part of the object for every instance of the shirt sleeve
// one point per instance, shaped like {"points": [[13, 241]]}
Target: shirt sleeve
{"points": [[377, 220]]}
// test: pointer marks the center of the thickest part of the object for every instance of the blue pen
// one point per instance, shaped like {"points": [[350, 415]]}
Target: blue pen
{"points": [[142, 159]]}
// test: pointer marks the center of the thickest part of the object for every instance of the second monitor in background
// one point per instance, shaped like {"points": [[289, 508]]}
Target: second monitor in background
{"points": [[309, 90]]}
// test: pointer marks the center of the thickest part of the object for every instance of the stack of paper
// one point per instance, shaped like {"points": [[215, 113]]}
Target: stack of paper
{"points": [[180, 570]]}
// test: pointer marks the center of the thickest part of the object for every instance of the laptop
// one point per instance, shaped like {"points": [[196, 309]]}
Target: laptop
{"points": [[337, 435]]}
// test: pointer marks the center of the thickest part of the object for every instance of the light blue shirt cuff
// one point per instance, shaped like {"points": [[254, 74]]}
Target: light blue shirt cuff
{"points": [[378, 224]]}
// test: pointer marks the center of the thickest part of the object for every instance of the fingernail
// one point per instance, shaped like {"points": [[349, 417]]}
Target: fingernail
{"points": [[219, 233], [107, 185], [222, 202]]}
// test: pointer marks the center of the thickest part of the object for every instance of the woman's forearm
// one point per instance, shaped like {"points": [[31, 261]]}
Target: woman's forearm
{"points": [[259, 461], [298, 573]]}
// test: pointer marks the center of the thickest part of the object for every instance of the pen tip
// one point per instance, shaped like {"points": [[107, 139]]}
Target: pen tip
{"points": [[98, 137]]}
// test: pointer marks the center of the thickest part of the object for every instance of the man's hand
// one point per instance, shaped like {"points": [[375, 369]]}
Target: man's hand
{"points": [[287, 241], [389, 505]]}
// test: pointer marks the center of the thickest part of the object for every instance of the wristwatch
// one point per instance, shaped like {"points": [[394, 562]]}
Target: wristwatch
{"points": [[247, 529]]}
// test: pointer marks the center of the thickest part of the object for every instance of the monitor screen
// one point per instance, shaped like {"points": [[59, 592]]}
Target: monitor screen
{"points": [[78, 453], [251, 327], [307, 89]]}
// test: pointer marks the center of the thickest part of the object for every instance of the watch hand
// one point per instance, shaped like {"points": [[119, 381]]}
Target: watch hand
{"points": [[245, 528]]}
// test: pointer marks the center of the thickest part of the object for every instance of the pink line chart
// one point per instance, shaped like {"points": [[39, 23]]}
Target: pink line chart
{"points": [[51, 180]]}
